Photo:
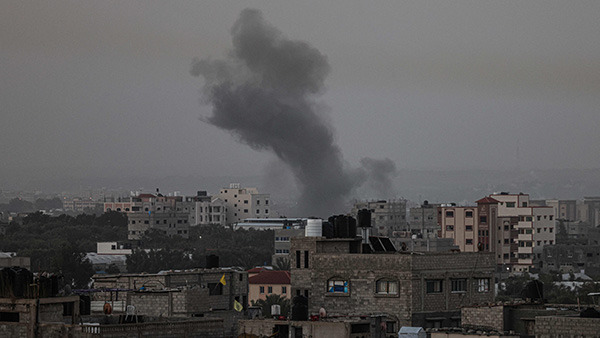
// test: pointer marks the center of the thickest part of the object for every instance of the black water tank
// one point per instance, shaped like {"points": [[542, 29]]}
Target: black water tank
{"points": [[327, 230], [341, 227], [364, 218], [351, 227], [212, 261], [300, 308]]}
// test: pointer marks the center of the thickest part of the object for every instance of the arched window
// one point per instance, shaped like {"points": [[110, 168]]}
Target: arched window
{"points": [[387, 287], [338, 285]]}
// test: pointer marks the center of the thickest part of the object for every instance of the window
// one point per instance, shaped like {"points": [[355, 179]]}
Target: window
{"points": [[528, 218], [449, 213], [337, 286], [266, 202], [459, 285], [146, 222], [483, 285], [551, 217], [469, 214], [550, 229], [387, 287], [469, 228], [434, 286], [270, 289], [482, 219], [297, 259], [246, 210], [284, 290], [257, 202], [258, 211], [215, 289], [524, 204], [9, 317], [262, 289], [469, 241], [510, 204], [245, 201], [506, 241], [266, 211], [306, 259]]}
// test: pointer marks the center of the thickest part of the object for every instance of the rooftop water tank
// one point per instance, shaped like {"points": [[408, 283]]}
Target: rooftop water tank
{"points": [[314, 228]]}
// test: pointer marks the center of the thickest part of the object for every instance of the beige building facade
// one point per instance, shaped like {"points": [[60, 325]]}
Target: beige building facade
{"points": [[242, 203]]}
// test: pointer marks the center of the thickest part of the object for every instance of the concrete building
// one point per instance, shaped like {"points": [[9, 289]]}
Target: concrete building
{"points": [[204, 209], [503, 223], [269, 282], [147, 212], [37, 317], [423, 220], [567, 258], [181, 294], [592, 210], [269, 223], [565, 210], [282, 242], [425, 289], [80, 204], [515, 318], [388, 218], [244, 203], [10, 259]]}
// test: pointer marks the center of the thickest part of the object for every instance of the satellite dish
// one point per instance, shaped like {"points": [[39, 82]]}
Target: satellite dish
{"points": [[322, 313]]}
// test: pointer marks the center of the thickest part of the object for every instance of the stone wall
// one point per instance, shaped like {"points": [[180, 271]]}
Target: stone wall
{"points": [[491, 317], [16, 330], [410, 271], [554, 326]]}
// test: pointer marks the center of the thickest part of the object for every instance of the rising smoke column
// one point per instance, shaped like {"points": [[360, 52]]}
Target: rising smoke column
{"points": [[263, 94]]}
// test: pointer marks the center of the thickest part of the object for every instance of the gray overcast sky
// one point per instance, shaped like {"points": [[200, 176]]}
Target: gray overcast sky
{"points": [[102, 88]]}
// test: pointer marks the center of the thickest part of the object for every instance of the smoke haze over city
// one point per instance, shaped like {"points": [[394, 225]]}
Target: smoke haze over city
{"points": [[102, 89]]}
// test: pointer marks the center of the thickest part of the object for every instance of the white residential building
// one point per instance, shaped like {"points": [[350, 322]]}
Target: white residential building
{"points": [[242, 203]]}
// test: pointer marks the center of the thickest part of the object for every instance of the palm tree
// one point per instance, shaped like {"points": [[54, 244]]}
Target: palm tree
{"points": [[265, 304]]}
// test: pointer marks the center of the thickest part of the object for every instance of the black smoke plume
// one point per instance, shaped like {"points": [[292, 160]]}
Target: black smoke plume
{"points": [[263, 94]]}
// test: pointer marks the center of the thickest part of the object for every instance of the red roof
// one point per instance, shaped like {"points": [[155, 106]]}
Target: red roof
{"points": [[146, 196], [257, 269], [271, 277], [487, 200]]}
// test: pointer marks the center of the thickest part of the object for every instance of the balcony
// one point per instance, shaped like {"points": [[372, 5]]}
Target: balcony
{"points": [[525, 250], [525, 237]]}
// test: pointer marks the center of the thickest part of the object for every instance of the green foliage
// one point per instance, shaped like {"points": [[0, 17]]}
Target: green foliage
{"points": [[40, 236], [70, 261], [265, 304], [244, 248]]}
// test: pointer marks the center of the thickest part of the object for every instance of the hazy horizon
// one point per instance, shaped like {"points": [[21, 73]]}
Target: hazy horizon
{"points": [[102, 89]]}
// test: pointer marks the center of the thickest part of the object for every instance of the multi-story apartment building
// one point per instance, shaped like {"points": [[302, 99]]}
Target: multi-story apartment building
{"points": [[425, 290], [423, 220], [591, 211], [501, 223], [204, 209], [388, 218], [80, 204], [565, 210], [148, 211], [242, 203]]}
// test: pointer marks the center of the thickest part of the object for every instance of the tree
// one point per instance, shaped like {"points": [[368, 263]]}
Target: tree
{"points": [[282, 264], [72, 264], [266, 303]]}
